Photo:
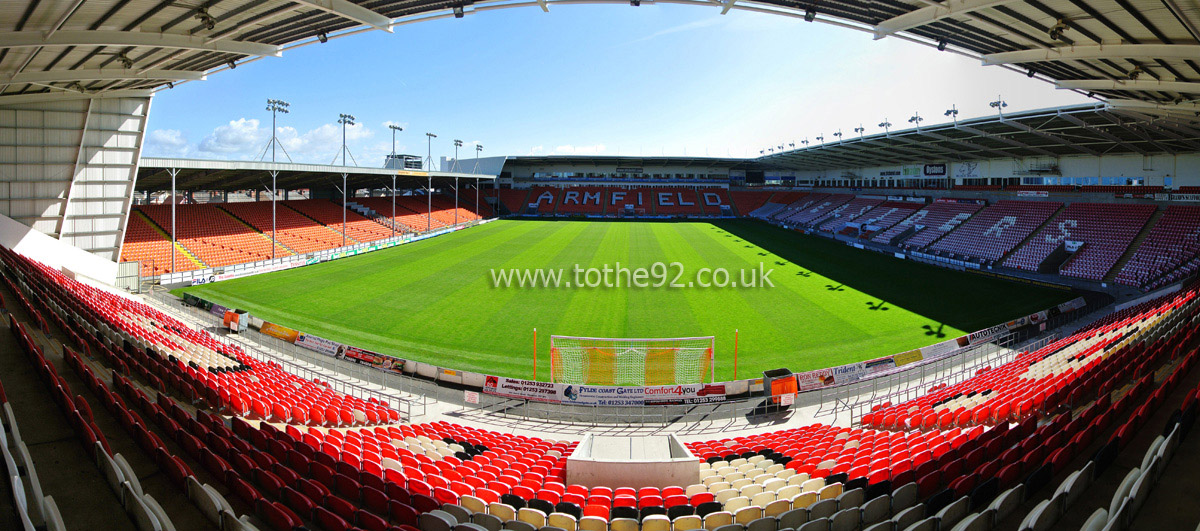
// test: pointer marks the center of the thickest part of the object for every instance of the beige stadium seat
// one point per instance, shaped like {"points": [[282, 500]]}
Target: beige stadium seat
{"points": [[726, 470], [774, 484], [813, 485], [532, 517], [745, 515], [761, 477], [828, 463], [734, 476], [829, 492], [797, 479], [804, 500], [756, 459], [714, 520], [623, 524], [762, 499], [562, 521], [656, 522], [738, 484], [782, 473], [502, 511], [733, 504], [750, 490], [738, 462], [473, 504], [693, 490], [713, 479], [707, 473], [725, 495], [718, 486], [593, 523], [776, 508], [690, 522], [719, 465], [745, 468], [705, 465], [788, 493]]}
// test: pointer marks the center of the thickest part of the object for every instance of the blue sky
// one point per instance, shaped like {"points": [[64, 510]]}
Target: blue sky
{"points": [[611, 80]]}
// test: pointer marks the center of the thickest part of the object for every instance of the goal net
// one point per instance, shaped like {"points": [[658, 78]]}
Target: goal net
{"points": [[634, 362]]}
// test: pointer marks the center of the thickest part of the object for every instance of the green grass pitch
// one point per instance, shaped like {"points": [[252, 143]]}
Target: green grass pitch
{"points": [[433, 300]]}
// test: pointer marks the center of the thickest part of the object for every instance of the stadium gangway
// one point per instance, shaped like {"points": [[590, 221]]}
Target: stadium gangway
{"points": [[171, 305]]}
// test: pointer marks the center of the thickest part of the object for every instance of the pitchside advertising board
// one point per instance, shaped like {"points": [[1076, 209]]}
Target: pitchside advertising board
{"points": [[598, 395]]}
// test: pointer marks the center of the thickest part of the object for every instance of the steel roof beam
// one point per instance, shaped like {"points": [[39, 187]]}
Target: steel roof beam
{"points": [[1103, 134], [932, 13], [350, 11], [1101, 51], [1132, 129], [55, 76], [20, 39], [1130, 85], [1009, 141], [1053, 138]]}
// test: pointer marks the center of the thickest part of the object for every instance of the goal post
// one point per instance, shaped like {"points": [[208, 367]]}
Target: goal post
{"points": [[632, 362]]}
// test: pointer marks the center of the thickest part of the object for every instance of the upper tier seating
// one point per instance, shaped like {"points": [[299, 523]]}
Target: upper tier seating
{"points": [[358, 228], [297, 232], [995, 230], [746, 202], [837, 218], [936, 220], [1169, 251], [145, 244], [1123, 189], [213, 235], [1105, 229]]}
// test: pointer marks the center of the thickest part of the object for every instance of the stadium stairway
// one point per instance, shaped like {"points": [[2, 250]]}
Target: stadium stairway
{"points": [[1131, 251], [255, 230], [196, 261]]}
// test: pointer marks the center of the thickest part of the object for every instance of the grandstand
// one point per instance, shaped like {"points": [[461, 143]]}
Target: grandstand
{"points": [[162, 374]]}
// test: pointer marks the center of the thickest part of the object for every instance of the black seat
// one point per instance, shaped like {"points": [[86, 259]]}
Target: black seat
{"points": [[569, 508], [706, 508], [653, 509], [712, 459], [984, 493], [515, 501], [541, 505], [1039, 479], [876, 490], [838, 478], [680, 510], [856, 483], [936, 502], [624, 512]]}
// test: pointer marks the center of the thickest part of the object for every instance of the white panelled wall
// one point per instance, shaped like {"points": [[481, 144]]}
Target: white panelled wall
{"points": [[67, 167]]}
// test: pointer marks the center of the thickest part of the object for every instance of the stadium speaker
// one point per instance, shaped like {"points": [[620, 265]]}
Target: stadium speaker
{"points": [[810, 14]]}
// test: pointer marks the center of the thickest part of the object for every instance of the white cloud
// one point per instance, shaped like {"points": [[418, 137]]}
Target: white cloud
{"points": [[535, 150], [239, 137], [167, 142]]}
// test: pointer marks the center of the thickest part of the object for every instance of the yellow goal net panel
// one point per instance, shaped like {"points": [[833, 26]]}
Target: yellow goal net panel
{"points": [[631, 362]]}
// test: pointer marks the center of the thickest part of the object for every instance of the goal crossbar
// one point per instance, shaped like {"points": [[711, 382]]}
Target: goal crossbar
{"points": [[632, 361]]}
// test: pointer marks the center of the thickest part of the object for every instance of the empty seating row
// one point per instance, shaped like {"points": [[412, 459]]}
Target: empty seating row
{"points": [[144, 243], [297, 232], [213, 235], [929, 224], [328, 213]]}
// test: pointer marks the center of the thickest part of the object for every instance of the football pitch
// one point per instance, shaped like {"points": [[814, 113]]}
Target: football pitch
{"points": [[437, 300]]}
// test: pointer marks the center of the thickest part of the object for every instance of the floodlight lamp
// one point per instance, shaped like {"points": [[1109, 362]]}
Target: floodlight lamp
{"points": [[395, 127], [323, 37], [231, 65], [635, 3], [1135, 73], [458, 143], [206, 19], [458, 12], [125, 60], [810, 14], [1030, 73], [1056, 31], [942, 45]]}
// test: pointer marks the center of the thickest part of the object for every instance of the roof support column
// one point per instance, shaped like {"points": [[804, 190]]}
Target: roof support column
{"points": [[173, 172], [274, 192], [343, 209]]}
